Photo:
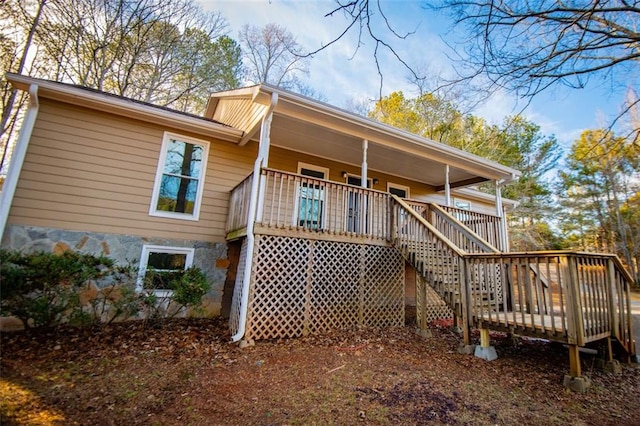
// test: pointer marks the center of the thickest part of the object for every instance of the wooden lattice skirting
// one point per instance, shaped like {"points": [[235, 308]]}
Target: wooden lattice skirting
{"points": [[234, 315], [301, 286], [429, 305]]}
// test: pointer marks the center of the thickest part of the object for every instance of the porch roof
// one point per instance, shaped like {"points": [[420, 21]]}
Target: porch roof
{"points": [[309, 126]]}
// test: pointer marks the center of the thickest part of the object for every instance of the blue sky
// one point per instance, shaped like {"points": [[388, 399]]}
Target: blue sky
{"points": [[342, 77]]}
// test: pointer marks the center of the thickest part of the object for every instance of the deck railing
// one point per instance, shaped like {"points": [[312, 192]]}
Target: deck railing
{"points": [[457, 232], [486, 226], [304, 204], [239, 205], [436, 258], [574, 297]]}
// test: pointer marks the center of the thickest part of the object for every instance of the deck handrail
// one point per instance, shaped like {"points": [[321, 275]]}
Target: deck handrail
{"points": [[432, 229], [587, 297], [486, 226], [292, 201], [239, 205], [459, 233]]}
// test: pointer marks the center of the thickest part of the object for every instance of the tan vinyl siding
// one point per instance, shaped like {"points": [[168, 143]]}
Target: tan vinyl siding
{"points": [[92, 171]]}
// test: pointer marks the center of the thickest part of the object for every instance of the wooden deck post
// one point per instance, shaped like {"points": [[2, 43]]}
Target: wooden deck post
{"points": [[464, 301], [485, 338], [574, 361]]}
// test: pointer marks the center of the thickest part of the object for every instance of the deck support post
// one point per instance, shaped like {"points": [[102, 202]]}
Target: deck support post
{"points": [[574, 379], [575, 369], [485, 350], [485, 338], [609, 364]]}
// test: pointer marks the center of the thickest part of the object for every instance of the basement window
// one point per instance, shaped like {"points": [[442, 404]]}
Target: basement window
{"points": [[159, 265]]}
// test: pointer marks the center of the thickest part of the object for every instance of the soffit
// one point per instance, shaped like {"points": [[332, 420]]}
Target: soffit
{"points": [[293, 134], [306, 125]]}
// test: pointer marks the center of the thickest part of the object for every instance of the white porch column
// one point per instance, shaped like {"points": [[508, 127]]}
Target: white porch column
{"points": [[504, 240], [363, 173], [263, 152], [499, 211], [256, 203], [447, 186]]}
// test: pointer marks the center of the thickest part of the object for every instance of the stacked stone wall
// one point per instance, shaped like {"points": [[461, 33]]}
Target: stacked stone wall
{"points": [[211, 258]]}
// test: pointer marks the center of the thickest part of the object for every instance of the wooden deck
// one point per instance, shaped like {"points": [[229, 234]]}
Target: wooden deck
{"points": [[571, 297], [553, 327]]}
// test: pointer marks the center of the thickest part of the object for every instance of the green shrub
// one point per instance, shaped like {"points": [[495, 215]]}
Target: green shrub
{"points": [[185, 289], [43, 287]]}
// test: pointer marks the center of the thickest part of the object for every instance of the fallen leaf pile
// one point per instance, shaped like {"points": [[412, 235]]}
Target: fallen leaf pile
{"points": [[183, 372]]}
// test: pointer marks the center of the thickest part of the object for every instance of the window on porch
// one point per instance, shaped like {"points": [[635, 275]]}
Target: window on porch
{"points": [[311, 197]]}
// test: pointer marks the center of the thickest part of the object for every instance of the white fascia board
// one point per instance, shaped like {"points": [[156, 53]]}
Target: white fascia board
{"points": [[483, 196], [123, 107]]}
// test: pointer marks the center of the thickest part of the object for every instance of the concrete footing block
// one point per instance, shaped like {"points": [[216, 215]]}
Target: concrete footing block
{"points": [[576, 384], [246, 343], [613, 367], [487, 353], [635, 358], [466, 349], [424, 333], [609, 366]]}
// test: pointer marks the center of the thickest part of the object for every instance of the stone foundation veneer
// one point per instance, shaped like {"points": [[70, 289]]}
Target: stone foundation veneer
{"points": [[211, 258]]}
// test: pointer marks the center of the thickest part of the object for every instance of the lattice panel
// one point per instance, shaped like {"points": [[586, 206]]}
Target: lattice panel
{"points": [[335, 288], [278, 287], [234, 315], [429, 305], [305, 286], [383, 297]]}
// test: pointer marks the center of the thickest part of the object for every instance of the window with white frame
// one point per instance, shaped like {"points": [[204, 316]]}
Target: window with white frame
{"points": [[159, 265], [177, 192], [311, 197], [462, 204], [357, 201], [398, 190]]}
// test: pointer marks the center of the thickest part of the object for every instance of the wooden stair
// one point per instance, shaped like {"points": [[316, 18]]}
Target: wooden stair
{"points": [[574, 298]]}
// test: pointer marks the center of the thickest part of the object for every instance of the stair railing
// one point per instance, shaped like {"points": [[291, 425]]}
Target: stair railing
{"points": [[458, 233], [439, 261]]}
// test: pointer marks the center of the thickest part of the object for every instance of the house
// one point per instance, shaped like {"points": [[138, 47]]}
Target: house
{"points": [[305, 217]]}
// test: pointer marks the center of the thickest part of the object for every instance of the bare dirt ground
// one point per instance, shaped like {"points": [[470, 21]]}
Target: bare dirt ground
{"points": [[185, 372]]}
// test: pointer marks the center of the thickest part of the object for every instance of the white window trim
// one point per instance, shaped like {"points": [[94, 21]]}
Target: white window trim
{"points": [[462, 200], [313, 167], [351, 175], [296, 213], [153, 211], [144, 259], [400, 187]]}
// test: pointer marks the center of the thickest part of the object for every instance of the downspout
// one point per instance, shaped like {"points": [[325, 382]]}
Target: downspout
{"points": [[262, 159], [17, 159]]}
